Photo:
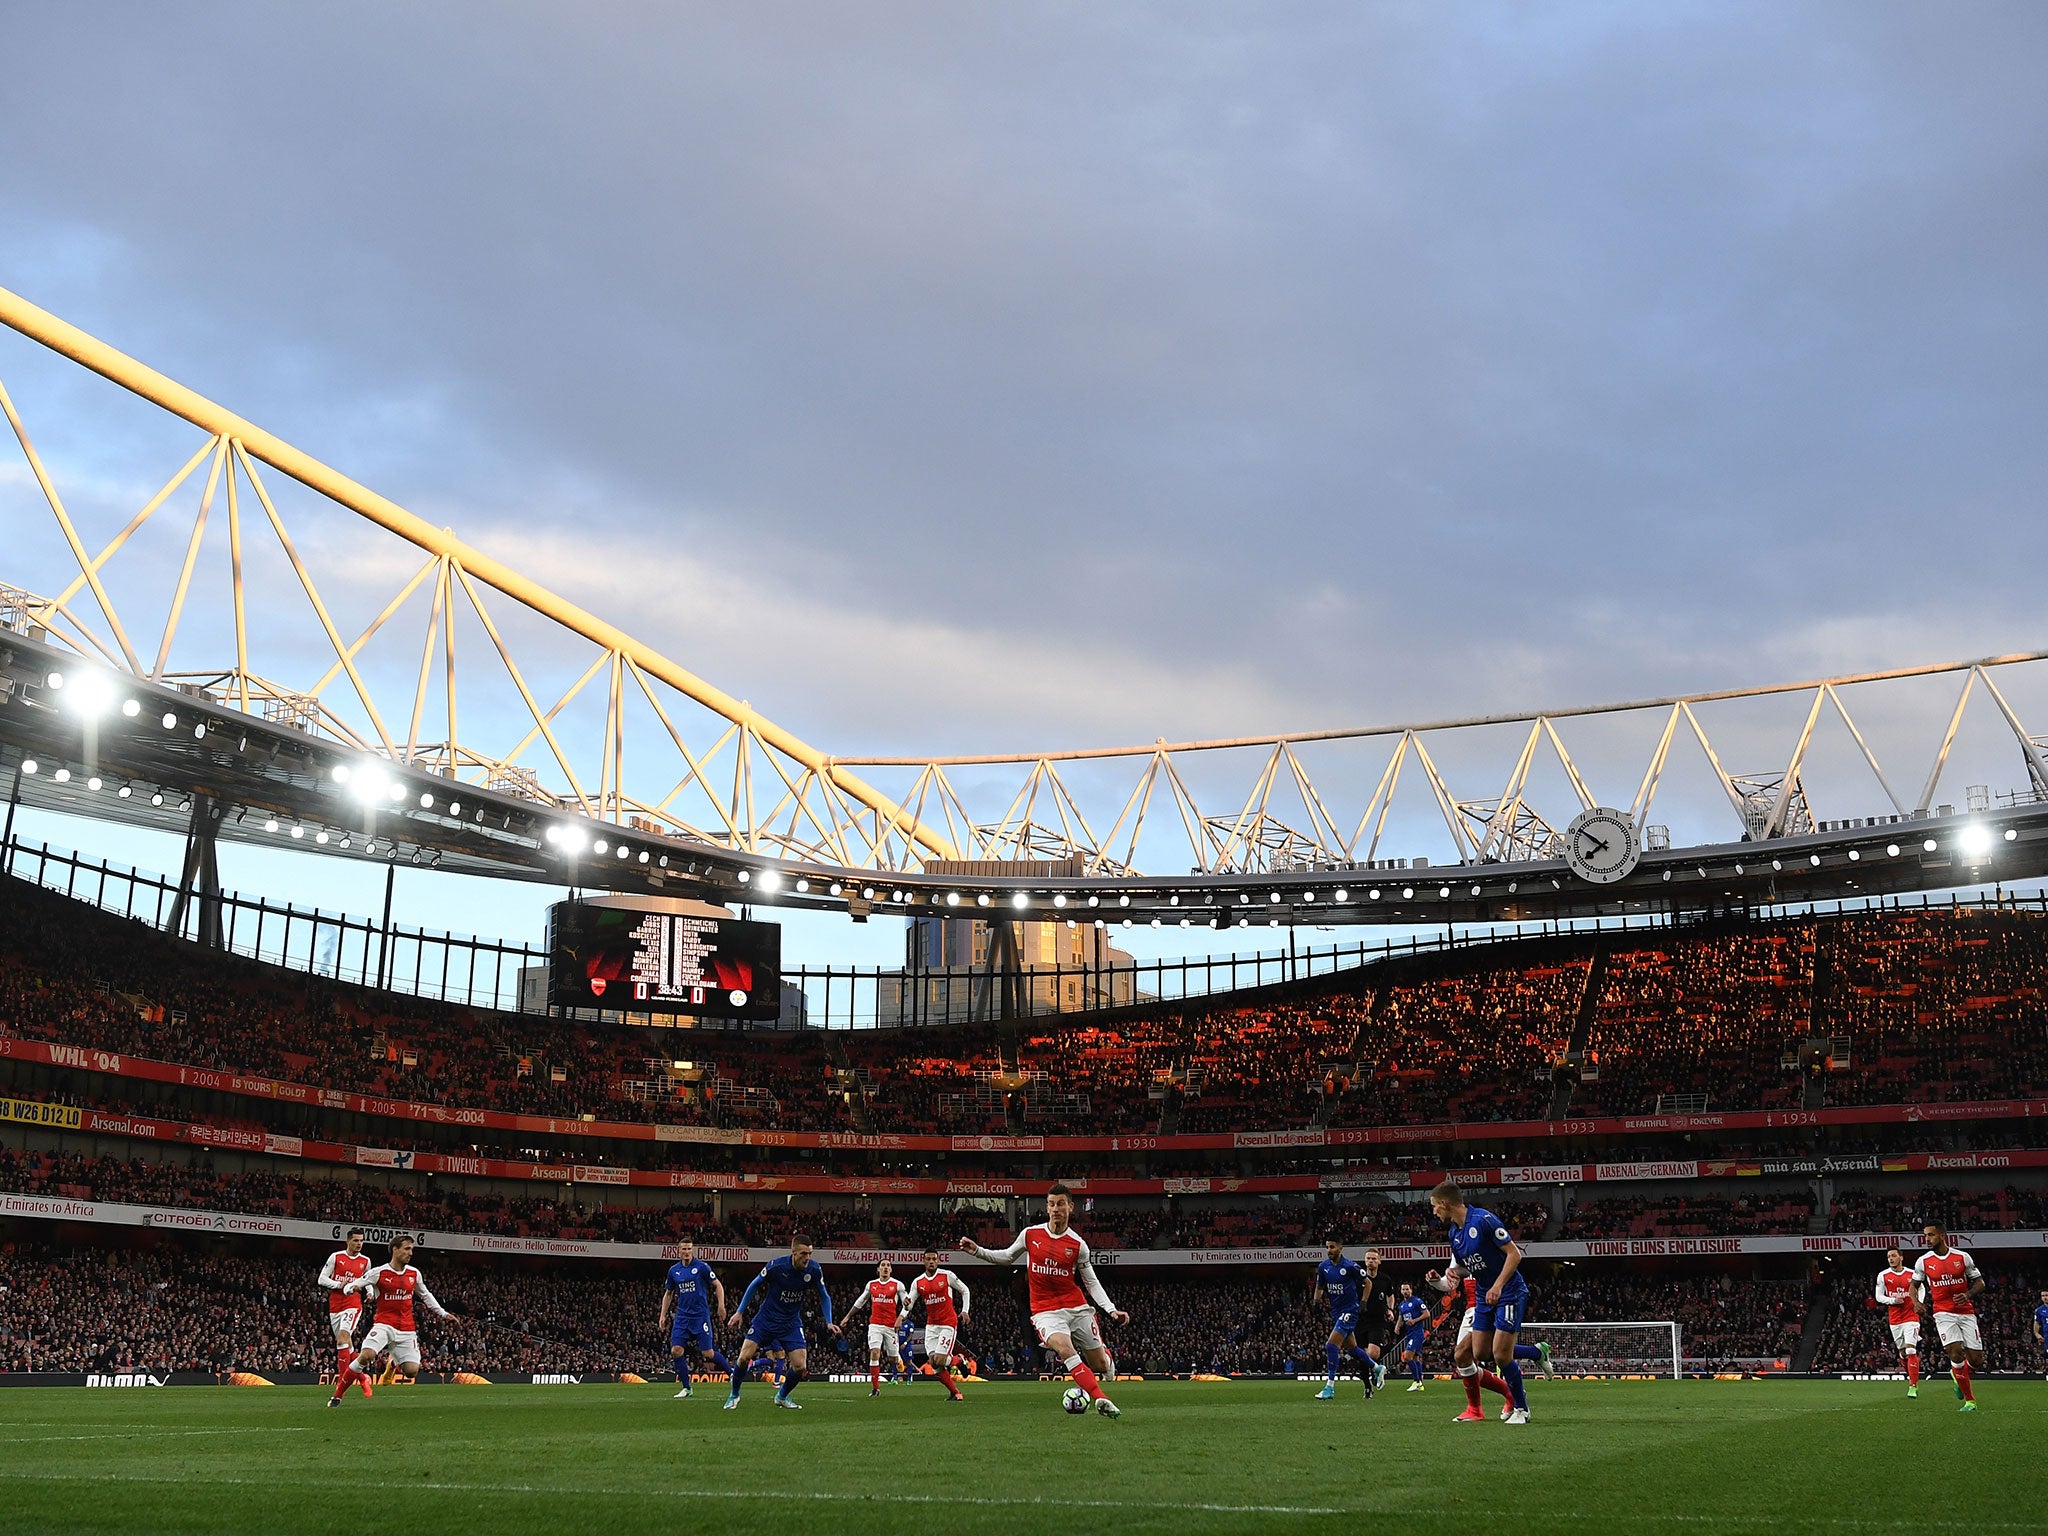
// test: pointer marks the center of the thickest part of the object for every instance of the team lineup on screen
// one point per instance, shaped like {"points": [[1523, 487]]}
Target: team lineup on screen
{"points": [[663, 962], [1483, 1287]]}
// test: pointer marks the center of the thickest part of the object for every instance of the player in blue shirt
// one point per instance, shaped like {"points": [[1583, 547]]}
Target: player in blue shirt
{"points": [[1487, 1251], [776, 1301], [1346, 1285], [906, 1338], [1412, 1317], [2041, 1323], [687, 1297]]}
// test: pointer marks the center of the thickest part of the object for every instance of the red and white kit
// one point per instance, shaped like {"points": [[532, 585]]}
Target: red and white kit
{"points": [[941, 1316], [1059, 1267], [886, 1299], [1895, 1295], [392, 1326], [1946, 1278], [344, 1311], [1470, 1286]]}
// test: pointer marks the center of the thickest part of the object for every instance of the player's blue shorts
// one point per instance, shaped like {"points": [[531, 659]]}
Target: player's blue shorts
{"points": [[767, 1332], [1344, 1322], [1504, 1316], [691, 1332], [1411, 1341]]}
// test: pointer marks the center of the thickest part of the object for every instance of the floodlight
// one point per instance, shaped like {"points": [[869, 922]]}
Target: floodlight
{"points": [[1974, 840]]}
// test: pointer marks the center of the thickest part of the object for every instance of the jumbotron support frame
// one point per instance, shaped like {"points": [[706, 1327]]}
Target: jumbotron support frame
{"points": [[759, 813]]}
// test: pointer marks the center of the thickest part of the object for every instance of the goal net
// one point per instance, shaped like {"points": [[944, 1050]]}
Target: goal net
{"points": [[1610, 1349]]}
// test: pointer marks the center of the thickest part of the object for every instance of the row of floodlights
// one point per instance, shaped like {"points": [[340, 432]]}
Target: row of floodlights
{"points": [[92, 694]]}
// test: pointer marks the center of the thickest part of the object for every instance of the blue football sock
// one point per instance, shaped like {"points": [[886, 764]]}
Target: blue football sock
{"points": [[681, 1364], [1511, 1373], [718, 1359], [1331, 1360], [1528, 1352], [791, 1380], [1415, 1368], [739, 1374]]}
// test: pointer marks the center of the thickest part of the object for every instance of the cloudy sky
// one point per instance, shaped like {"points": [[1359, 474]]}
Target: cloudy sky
{"points": [[970, 378]]}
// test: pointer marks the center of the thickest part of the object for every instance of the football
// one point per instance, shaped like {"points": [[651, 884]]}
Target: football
{"points": [[1074, 1400]]}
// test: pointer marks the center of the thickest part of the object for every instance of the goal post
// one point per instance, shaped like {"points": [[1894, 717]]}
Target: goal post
{"points": [[1651, 1348]]}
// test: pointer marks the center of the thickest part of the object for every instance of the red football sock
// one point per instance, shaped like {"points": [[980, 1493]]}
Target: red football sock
{"points": [[349, 1377], [1913, 1369], [946, 1379], [1083, 1377], [1962, 1375], [874, 1375], [1492, 1383], [1472, 1392], [342, 1357]]}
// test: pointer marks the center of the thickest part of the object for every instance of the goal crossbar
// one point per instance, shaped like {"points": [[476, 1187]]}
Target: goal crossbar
{"points": [[1673, 1360]]}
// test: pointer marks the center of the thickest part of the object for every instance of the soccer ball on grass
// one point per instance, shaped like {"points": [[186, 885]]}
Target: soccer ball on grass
{"points": [[1074, 1400]]}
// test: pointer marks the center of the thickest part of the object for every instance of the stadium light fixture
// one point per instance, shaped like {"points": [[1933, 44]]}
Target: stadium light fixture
{"points": [[55, 681], [130, 708], [952, 898], [1443, 893], [835, 888], [643, 857], [1020, 901], [1308, 895], [867, 893], [624, 852], [1123, 901], [199, 731], [62, 775], [320, 838], [91, 695], [93, 783], [1891, 850], [1273, 897], [1342, 894], [1094, 901], [803, 887], [455, 808], [1854, 856], [1407, 893], [340, 774], [344, 842], [125, 791], [600, 846], [1373, 894], [2012, 834], [1929, 846], [1059, 900], [170, 721], [426, 802], [981, 900], [1974, 840], [769, 880], [1778, 866], [157, 798], [30, 765], [1813, 859], [570, 840], [298, 832]]}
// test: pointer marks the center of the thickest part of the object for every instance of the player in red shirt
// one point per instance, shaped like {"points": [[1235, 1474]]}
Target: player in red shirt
{"points": [[1896, 1293], [1948, 1281], [344, 1310], [885, 1297], [1060, 1265], [1462, 1291], [395, 1286], [934, 1290]]}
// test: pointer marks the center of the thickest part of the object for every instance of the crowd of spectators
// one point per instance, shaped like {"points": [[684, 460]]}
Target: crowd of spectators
{"points": [[1958, 1210], [1939, 1005], [1612, 1216], [1933, 1005]]}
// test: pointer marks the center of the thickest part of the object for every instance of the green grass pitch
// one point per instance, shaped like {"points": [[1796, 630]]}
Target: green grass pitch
{"points": [[1187, 1458]]}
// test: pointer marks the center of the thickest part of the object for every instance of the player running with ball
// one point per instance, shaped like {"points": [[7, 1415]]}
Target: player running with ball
{"points": [[1487, 1251], [1060, 1266], [395, 1287]]}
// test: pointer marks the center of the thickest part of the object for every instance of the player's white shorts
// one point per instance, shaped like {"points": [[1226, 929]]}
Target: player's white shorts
{"points": [[1465, 1325], [939, 1340], [345, 1322], [1907, 1337], [882, 1341], [1958, 1328], [404, 1347], [1077, 1323]]}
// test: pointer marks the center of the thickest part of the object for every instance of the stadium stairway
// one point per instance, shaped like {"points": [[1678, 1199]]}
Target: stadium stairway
{"points": [[1351, 1069], [843, 1078], [1582, 1031], [1816, 1084], [1819, 1307]]}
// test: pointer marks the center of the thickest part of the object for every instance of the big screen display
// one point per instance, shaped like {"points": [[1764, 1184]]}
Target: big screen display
{"points": [[663, 962]]}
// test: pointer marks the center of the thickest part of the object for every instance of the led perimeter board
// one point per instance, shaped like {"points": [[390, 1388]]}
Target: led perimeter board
{"points": [[663, 962]]}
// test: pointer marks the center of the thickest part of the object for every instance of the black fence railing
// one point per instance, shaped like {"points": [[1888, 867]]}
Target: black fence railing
{"points": [[487, 973]]}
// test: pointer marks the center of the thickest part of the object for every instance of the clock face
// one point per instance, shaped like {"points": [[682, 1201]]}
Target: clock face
{"points": [[1600, 846]]}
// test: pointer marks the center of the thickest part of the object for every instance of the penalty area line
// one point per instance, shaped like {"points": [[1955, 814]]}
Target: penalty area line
{"points": [[737, 1495]]}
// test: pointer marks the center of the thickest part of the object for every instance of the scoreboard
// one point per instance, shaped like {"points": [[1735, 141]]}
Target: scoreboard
{"points": [[663, 962]]}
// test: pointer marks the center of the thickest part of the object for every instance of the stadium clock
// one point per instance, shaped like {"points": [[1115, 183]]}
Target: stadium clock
{"points": [[1600, 846]]}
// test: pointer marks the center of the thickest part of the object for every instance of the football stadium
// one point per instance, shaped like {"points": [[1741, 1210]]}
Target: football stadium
{"points": [[610, 919]]}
